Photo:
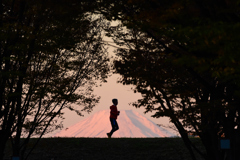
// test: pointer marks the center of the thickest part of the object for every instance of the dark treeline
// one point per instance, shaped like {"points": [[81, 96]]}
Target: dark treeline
{"points": [[181, 55]]}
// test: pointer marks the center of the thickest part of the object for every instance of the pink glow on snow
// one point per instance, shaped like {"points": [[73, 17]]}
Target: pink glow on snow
{"points": [[131, 124]]}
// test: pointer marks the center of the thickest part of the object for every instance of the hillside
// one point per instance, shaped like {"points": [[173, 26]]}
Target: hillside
{"points": [[111, 149]]}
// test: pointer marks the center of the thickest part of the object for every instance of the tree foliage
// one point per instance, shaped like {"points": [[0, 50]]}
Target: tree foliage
{"points": [[183, 56], [51, 54]]}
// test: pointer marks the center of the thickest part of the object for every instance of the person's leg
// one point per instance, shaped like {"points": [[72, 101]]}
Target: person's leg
{"points": [[114, 126], [111, 132]]}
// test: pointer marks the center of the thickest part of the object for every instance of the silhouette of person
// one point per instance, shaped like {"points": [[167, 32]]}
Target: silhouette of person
{"points": [[113, 117]]}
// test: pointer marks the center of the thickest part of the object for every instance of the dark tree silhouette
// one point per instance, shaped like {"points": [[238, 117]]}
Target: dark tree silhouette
{"points": [[51, 54], [184, 58]]}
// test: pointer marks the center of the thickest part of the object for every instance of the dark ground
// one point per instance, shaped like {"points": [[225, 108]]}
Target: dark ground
{"points": [[110, 149]]}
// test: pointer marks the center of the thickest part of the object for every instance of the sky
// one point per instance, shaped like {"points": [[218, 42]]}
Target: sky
{"points": [[107, 92]]}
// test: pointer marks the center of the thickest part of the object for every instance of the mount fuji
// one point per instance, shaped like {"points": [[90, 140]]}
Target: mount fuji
{"points": [[131, 124]]}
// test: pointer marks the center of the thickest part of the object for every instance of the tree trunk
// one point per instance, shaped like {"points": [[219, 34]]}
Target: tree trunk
{"points": [[2, 148], [16, 147], [3, 141], [186, 141], [211, 142], [176, 122]]}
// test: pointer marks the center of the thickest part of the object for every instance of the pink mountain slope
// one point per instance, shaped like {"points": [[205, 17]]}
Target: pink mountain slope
{"points": [[131, 124]]}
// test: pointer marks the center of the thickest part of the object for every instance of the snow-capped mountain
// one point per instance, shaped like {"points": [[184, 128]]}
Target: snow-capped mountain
{"points": [[131, 124]]}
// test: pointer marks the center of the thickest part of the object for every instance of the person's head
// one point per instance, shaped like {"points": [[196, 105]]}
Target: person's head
{"points": [[115, 101]]}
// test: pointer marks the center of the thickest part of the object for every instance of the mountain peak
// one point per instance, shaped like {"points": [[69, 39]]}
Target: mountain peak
{"points": [[131, 124]]}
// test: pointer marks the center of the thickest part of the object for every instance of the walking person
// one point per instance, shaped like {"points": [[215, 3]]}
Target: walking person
{"points": [[113, 117]]}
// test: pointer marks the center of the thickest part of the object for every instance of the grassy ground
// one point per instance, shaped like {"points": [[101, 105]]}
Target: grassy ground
{"points": [[110, 149]]}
